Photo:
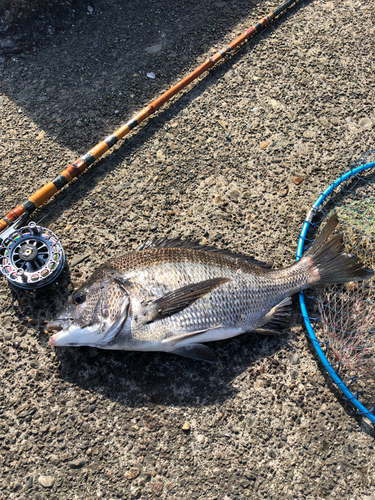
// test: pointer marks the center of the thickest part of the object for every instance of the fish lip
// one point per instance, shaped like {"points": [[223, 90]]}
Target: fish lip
{"points": [[57, 337], [59, 324], [55, 326]]}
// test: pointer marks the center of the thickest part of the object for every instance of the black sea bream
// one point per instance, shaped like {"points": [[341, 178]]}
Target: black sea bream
{"points": [[173, 295]]}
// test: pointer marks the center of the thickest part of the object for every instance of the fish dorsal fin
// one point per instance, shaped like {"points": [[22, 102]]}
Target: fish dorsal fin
{"points": [[193, 245], [178, 299]]}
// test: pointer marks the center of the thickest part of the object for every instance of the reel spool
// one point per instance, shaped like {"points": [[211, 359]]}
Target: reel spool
{"points": [[31, 257]]}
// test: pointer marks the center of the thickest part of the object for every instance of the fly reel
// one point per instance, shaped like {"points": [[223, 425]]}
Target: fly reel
{"points": [[30, 257]]}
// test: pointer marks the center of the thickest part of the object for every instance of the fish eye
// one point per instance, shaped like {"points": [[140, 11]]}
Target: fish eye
{"points": [[79, 298]]}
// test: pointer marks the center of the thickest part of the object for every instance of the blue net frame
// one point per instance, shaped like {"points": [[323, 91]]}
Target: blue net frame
{"points": [[352, 183]]}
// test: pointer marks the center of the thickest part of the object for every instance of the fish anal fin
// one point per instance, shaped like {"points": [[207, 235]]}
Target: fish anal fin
{"points": [[263, 331], [199, 352], [180, 298], [277, 319]]}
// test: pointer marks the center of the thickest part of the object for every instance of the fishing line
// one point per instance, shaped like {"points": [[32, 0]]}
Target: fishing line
{"points": [[80, 165], [114, 154], [32, 256], [340, 319]]}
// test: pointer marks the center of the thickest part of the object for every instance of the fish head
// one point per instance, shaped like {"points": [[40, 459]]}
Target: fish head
{"points": [[94, 315]]}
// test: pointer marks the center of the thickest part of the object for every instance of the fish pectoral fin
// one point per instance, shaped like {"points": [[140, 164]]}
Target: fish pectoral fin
{"points": [[199, 352], [177, 300], [277, 319]]}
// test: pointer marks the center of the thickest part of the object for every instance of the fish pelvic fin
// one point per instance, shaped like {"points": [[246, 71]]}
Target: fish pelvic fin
{"points": [[329, 263], [180, 298], [277, 319], [198, 352]]}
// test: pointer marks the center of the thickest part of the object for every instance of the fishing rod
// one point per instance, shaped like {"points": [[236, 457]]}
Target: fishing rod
{"points": [[32, 256]]}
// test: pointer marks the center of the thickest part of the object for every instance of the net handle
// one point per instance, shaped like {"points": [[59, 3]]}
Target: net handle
{"points": [[361, 410]]}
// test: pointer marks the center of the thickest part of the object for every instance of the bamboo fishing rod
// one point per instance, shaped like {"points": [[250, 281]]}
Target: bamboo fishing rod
{"points": [[78, 166]]}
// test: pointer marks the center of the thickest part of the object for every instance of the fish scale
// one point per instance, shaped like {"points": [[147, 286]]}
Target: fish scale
{"points": [[240, 303], [172, 295]]}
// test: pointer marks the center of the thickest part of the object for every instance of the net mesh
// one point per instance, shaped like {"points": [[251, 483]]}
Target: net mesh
{"points": [[343, 316]]}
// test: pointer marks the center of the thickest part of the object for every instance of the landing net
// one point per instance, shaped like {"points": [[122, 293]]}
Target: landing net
{"points": [[340, 319]]}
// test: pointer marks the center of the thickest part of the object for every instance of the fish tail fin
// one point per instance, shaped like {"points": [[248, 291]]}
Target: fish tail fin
{"points": [[329, 260]]}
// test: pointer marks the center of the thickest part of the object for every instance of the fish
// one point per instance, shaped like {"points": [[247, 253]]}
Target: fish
{"points": [[175, 295]]}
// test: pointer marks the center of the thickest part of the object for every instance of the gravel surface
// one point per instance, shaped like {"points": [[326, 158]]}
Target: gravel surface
{"points": [[236, 161]]}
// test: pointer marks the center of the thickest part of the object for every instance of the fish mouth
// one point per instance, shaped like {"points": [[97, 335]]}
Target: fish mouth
{"points": [[71, 334], [54, 326], [61, 326], [61, 338]]}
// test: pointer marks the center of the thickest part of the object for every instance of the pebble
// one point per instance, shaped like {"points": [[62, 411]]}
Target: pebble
{"points": [[131, 473], [251, 420], [301, 149], [294, 359], [146, 476], [157, 488], [283, 192], [186, 426], [363, 122], [17, 485], [263, 145], [118, 188], [297, 180], [153, 49], [29, 483], [79, 123], [234, 195], [259, 384], [151, 75], [309, 134], [54, 459], [7, 43], [46, 481], [217, 199], [76, 464]]}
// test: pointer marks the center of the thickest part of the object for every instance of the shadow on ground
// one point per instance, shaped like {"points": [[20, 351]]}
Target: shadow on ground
{"points": [[147, 379], [89, 80]]}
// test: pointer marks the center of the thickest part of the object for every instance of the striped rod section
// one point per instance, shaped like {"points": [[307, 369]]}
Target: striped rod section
{"points": [[77, 167]]}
